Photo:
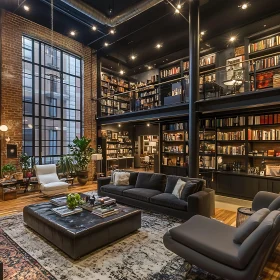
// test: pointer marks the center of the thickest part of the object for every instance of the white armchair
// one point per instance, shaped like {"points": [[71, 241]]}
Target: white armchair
{"points": [[50, 185]]}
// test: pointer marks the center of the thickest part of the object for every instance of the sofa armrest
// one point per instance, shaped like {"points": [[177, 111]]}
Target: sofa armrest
{"points": [[263, 199], [102, 182], [199, 204]]}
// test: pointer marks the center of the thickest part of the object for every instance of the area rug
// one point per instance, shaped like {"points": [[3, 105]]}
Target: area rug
{"points": [[139, 256]]}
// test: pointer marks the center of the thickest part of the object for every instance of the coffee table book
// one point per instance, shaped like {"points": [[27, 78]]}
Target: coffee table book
{"points": [[64, 211], [59, 201], [101, 214]]}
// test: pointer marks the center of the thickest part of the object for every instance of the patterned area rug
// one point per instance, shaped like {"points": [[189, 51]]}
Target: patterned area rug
{"points": [[139, 256]]}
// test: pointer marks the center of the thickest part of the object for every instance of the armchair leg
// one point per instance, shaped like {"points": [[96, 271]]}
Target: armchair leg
{"points": [[188, 268]]}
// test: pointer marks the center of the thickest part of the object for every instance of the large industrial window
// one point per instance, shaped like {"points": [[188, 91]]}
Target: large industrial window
{"points": [[52, 100]]}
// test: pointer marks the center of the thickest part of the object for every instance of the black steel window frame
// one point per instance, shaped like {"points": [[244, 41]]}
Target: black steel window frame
{"points": [[33, 104]]}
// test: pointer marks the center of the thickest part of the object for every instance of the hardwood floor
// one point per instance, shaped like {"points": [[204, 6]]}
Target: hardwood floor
{"points": [[10, 207]]}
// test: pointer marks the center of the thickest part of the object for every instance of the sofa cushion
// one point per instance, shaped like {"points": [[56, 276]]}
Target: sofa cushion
{"points": [[179, 188], [172, 180], [169, 200], [155, 181], [188, 189], [115, 189], [141, 193], [275, 204], [132, 178], [54, 186], [210, 238], [121, 178], [250, 225]]}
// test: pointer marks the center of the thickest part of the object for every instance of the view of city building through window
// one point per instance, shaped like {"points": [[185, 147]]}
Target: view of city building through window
{"points": [[52, 100]]}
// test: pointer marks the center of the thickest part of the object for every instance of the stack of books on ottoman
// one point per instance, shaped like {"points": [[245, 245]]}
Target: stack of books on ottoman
{"points": [[105, 206]]}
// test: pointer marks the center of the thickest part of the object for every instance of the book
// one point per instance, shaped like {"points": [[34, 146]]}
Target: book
{"points": [[59, 201], [64, 211], [105, 214]]}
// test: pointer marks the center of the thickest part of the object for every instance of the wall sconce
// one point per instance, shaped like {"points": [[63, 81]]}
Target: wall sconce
{"points": [[3, 128]]}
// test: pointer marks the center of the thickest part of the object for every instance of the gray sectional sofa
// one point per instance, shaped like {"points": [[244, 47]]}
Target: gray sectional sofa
{"points": [[153, 191]]}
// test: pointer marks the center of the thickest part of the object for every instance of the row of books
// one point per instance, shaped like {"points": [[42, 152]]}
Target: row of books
{"points": [[236, 135], [173, 136], [231, 150], [264, 44], [209, 123], [175, 126], [266, 63], [203, 61], [169, 72], [238, 121], [264, 119], [272, 134]]}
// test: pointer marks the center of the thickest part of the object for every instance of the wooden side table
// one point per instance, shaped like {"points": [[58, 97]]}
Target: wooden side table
{"points": [[243, 214], [9, 190]]}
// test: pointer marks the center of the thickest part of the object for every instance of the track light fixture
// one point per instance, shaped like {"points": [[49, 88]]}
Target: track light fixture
{"points": [[106, 44], [232, 38], [94, 28], [179, 6], [158, 46], [112, 31], [244, 6], [72, 33], [121, 72], [133, 57], [26, 8], [177, 11]]}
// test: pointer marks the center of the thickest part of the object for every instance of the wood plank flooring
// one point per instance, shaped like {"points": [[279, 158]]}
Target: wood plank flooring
{"points": [[10, 207]]}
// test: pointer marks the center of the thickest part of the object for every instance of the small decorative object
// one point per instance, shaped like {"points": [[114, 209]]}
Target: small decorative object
{"points": [[11, 151], [92, 200], [273, 170], [263, 168], [73, 200]]}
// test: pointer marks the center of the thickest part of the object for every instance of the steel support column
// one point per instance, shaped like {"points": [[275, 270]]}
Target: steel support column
{"points": [[194, 88]]}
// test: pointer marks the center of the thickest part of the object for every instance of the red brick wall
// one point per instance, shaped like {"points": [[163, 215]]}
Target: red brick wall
{"points": [[12, 29]]}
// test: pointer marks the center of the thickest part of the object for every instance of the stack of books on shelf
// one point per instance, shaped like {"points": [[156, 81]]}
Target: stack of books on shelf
{"points": [[170, 72], [107, 207], [207, 60], [238, 121], [267, 135], [236, 135], [231, 150], [207, 123], [264, 44], [264, 119], [174, 126], [266, 63]]}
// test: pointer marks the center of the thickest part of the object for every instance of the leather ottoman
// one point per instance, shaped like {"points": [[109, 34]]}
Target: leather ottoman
{"points": [[82, 233]]}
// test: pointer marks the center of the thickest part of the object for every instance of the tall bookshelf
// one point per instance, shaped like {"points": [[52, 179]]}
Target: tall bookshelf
{"points": [[113, 101]]}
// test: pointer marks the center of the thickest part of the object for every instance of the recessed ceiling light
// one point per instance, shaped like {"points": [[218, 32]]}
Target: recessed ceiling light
{"points": [[112, 31], [244, 6], [26, 8], [148, 124], [232, 39], [72, 33], [264, 25], [149, 67], [94, 28], [121, 72], [119, 125], [202, 33], [106, 44], [177, 11], [179, 6], [133, 57], [158, 46]]}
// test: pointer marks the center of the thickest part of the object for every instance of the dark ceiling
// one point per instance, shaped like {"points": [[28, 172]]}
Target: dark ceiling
{"points": [[139, 35]]}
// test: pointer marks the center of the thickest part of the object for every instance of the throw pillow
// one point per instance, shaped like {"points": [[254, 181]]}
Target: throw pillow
{"points": [[178, 188], [275, 204], [121, 178], [188, 189], [250, 225]]}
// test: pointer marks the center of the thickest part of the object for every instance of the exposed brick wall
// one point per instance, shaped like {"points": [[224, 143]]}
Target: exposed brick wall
{"points": [[12, 29]]}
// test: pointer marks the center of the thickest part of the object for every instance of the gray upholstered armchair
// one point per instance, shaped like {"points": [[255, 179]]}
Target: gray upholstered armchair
{"points": [[228, 252], [266, 200]]}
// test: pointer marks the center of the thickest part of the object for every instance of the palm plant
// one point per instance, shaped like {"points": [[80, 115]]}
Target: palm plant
{"points": [[66, 165]]}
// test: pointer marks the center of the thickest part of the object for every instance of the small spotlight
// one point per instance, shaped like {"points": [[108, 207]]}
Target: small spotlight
{"points": [[121, 72], [30, 125], [158, 46], [179, 6], [113, 31], [149, 67], [72, 33], [244, 6], [94, 28], [177, 11], [133, 57], [202, 33], [148, 124], [232, 39], [119, 125], [26, 8], [106, 44]]}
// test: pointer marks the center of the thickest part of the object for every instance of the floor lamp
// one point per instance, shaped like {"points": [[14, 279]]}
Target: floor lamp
{"points": [[98, 159]]}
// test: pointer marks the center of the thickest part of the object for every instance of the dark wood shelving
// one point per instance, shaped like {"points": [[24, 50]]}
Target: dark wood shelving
{"points": [[264, 51], [231, 155], [264, 141], [265, 70], [231, 141]]}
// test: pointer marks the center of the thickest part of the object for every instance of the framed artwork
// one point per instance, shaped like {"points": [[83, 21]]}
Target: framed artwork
{"points": [[114, 135], [11, 151], [233, 64], [109, 134]]}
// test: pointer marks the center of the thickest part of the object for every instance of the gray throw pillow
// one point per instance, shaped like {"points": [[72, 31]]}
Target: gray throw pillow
{"points": [[188, 189], [275, 204], [250, 225], [178, 188], [121, 178]]}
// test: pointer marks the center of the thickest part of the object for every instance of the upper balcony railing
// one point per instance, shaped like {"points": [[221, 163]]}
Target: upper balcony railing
{"points": [[234, 78]]}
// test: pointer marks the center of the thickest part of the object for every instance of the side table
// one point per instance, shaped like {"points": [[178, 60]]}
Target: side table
{"points": [[243, 214], [9, 190]]}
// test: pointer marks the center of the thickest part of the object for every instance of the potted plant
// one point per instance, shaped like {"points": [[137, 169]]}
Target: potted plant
{"points": [[81, 152], [25, 163], [73, 200], [7, 170], [66, 165]]}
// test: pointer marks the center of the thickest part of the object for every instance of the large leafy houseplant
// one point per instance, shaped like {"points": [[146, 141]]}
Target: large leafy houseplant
{"points": [[25, 162], [81, 152], [66, 165]]}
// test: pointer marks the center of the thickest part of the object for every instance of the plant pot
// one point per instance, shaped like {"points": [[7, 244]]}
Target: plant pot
{"points": [[82, 177]]}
